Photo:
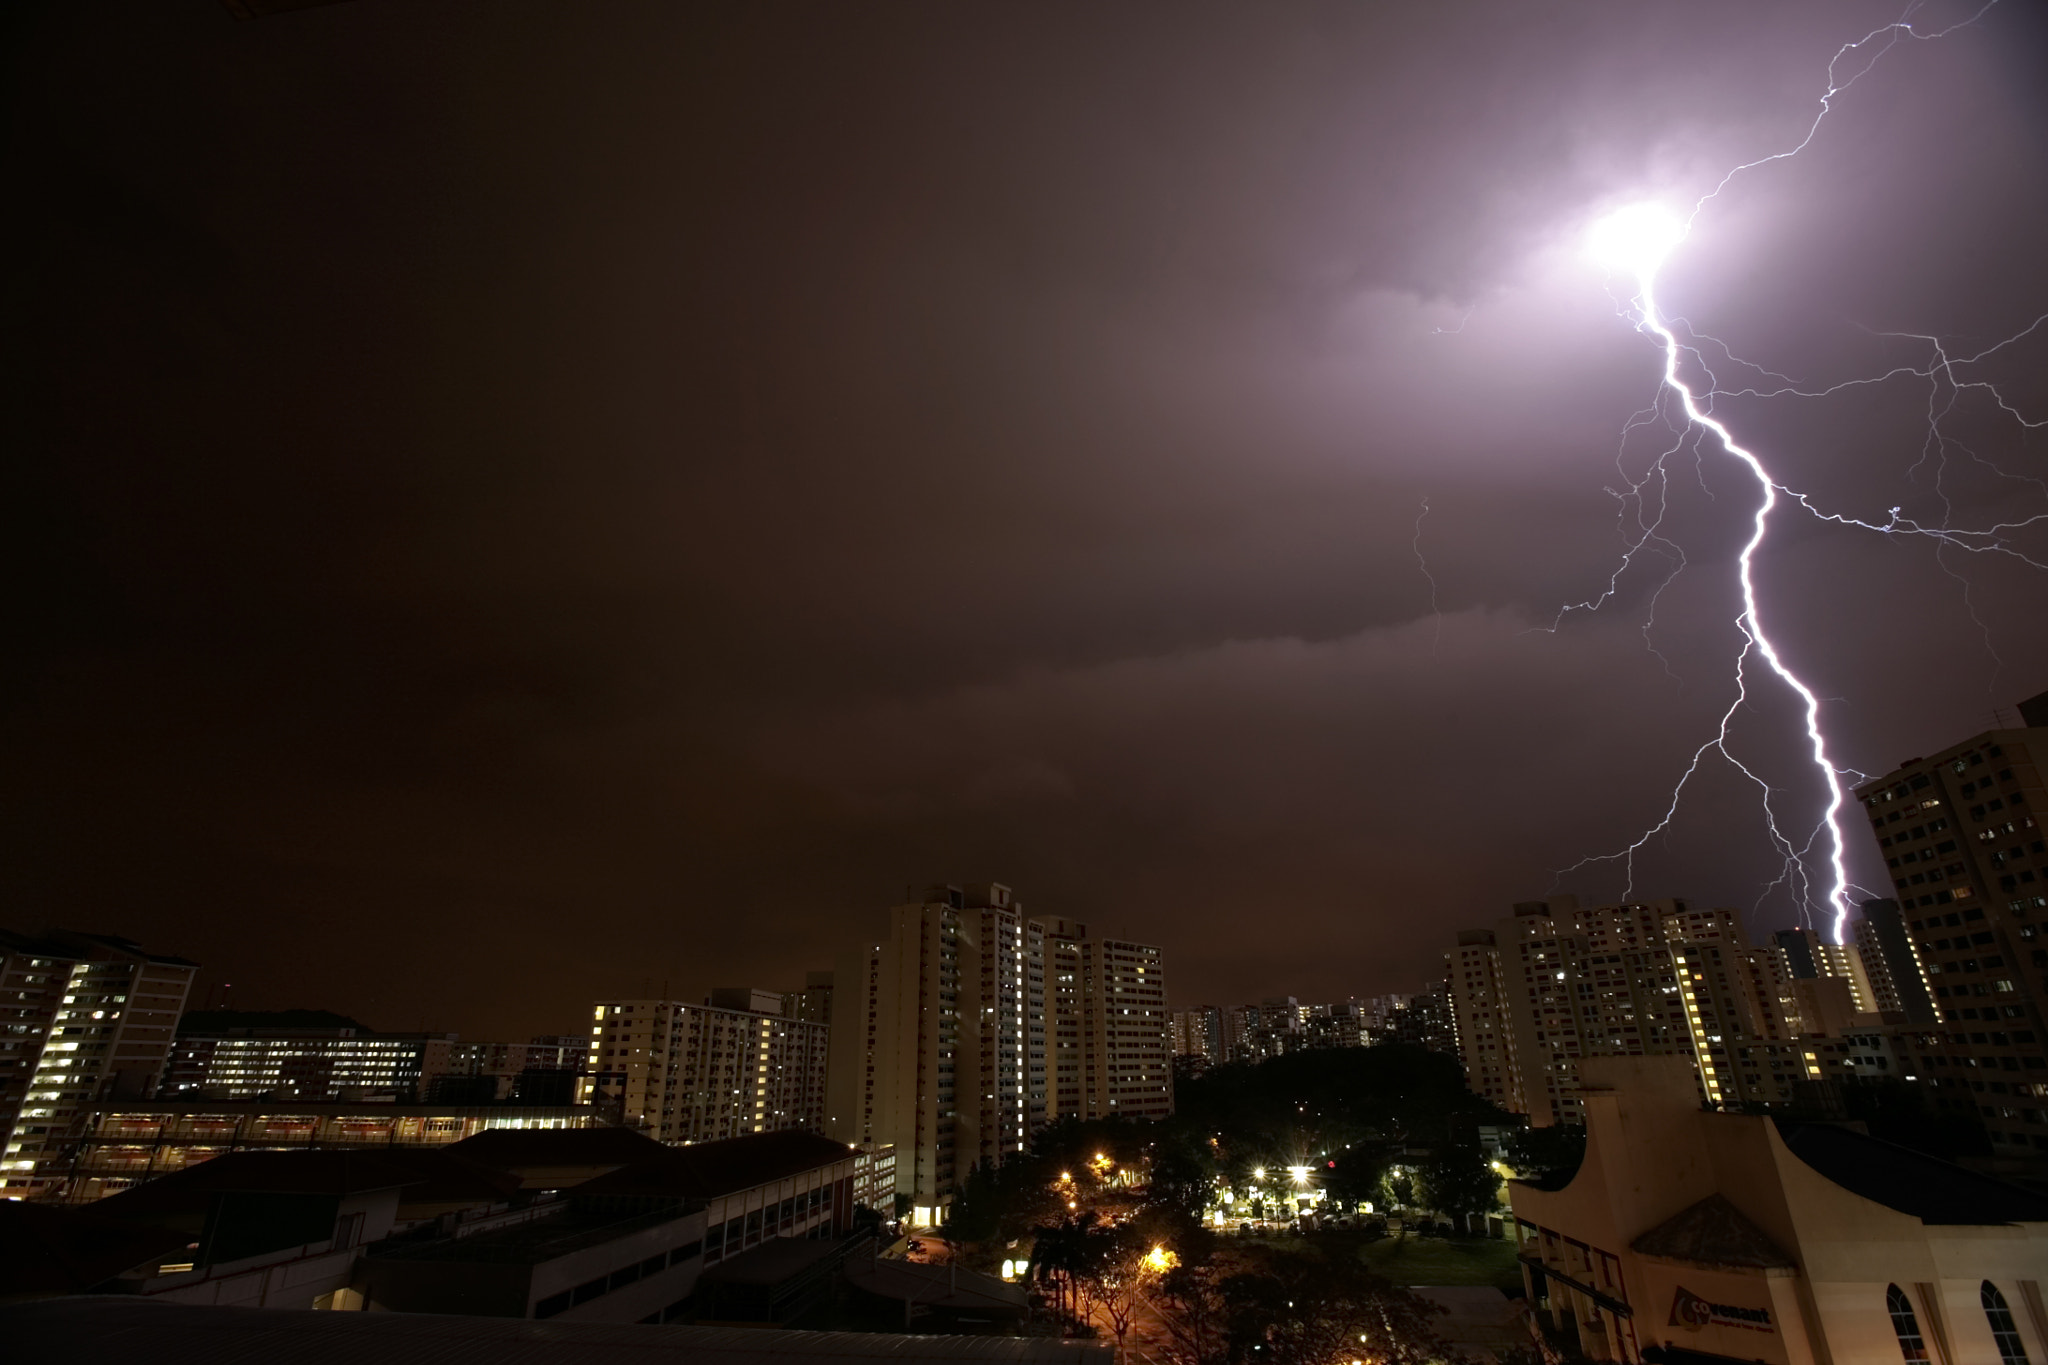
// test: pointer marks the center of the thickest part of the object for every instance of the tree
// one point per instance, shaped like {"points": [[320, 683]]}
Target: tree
{"points": [[1548, 1156], [1116, 1267], [1058, 1258], [1459, 1181], [1183, 1174], [1318, 1307], [1359, 1175]]}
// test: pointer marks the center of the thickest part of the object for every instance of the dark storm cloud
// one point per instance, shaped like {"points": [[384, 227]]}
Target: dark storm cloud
{"points": [[529, 500]]}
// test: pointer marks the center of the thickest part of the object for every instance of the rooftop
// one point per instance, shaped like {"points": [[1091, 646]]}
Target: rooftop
{"points": [[774, 1261], [368, 1109], [1928, 1188], [53, 1250], [935, 1286], [73, 946], [123, 1330], [336, 1172], [706, 1170], [543, 1239], [512, 1148]]}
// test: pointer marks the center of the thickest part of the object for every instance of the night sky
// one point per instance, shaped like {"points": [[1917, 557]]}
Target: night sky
{"points": [[511, 502]]}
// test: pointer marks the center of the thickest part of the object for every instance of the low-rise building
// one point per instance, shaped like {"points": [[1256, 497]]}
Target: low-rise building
{"points": [[589, 1225], [100, 1331], [1688, 1235]]}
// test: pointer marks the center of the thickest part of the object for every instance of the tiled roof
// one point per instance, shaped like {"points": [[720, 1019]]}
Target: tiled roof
{"points": [[1713, 1232]]}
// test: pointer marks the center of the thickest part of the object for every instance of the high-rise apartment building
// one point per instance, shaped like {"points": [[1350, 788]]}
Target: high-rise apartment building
{"points": [[972, 1025], [1114, 1056], [1477, 983], [813, 1002], [686, 1073], [1425, 1021], [1811, 957], [1960, 834], [83, 1017], [1896, 978], [940, 1039], [1271, 1028], [1200, 1033], [1555, 984]]}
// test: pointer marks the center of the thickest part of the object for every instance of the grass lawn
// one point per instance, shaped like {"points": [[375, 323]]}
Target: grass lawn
{"points": [[1438, 1261]]}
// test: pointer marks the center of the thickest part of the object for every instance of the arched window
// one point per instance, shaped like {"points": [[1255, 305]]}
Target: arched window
{"points": [[1904, 1325], [2003, 1331]]}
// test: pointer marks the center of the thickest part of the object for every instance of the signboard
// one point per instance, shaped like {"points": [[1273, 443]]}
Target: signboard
{"points": [[1690, 1311]]}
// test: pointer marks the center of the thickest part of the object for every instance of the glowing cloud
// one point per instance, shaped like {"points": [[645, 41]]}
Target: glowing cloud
{"points": [[1634, 240]]}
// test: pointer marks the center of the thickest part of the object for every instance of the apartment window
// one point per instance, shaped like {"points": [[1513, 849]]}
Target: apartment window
{"points": [[1905, 1326], [2003, 1330]]}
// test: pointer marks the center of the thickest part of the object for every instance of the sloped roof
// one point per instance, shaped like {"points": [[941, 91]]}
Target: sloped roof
{"points": [[1713, 1232], [706, 1170], [447, 1177], [772, 1262], [319, 1171], [51, 1250], [512, 1148], [1927, 1188]]}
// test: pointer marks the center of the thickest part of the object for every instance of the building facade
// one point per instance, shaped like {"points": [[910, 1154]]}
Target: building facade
{"points": [[1477, 984], [972, 1025], [940, 1043], [1201, 1033], [1115, 1051], [1689, 1235], [1556, 984], [685, 1073], [129, 1142], [311, 1064], [82, 1017], [1960, 835]]}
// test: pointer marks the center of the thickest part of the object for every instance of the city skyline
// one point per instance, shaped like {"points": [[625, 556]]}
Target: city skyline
{"points": [[523, 505]]}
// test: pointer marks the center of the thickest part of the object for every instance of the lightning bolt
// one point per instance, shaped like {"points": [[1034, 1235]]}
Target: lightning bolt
{"points": [[1423, 564], [1643, 499]]}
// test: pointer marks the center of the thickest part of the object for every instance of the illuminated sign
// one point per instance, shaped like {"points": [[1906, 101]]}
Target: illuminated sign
{"points": [[1690, 1311]]}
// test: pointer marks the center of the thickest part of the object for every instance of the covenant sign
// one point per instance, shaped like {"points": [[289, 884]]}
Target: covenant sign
{"points": [[1690, 1311]]}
